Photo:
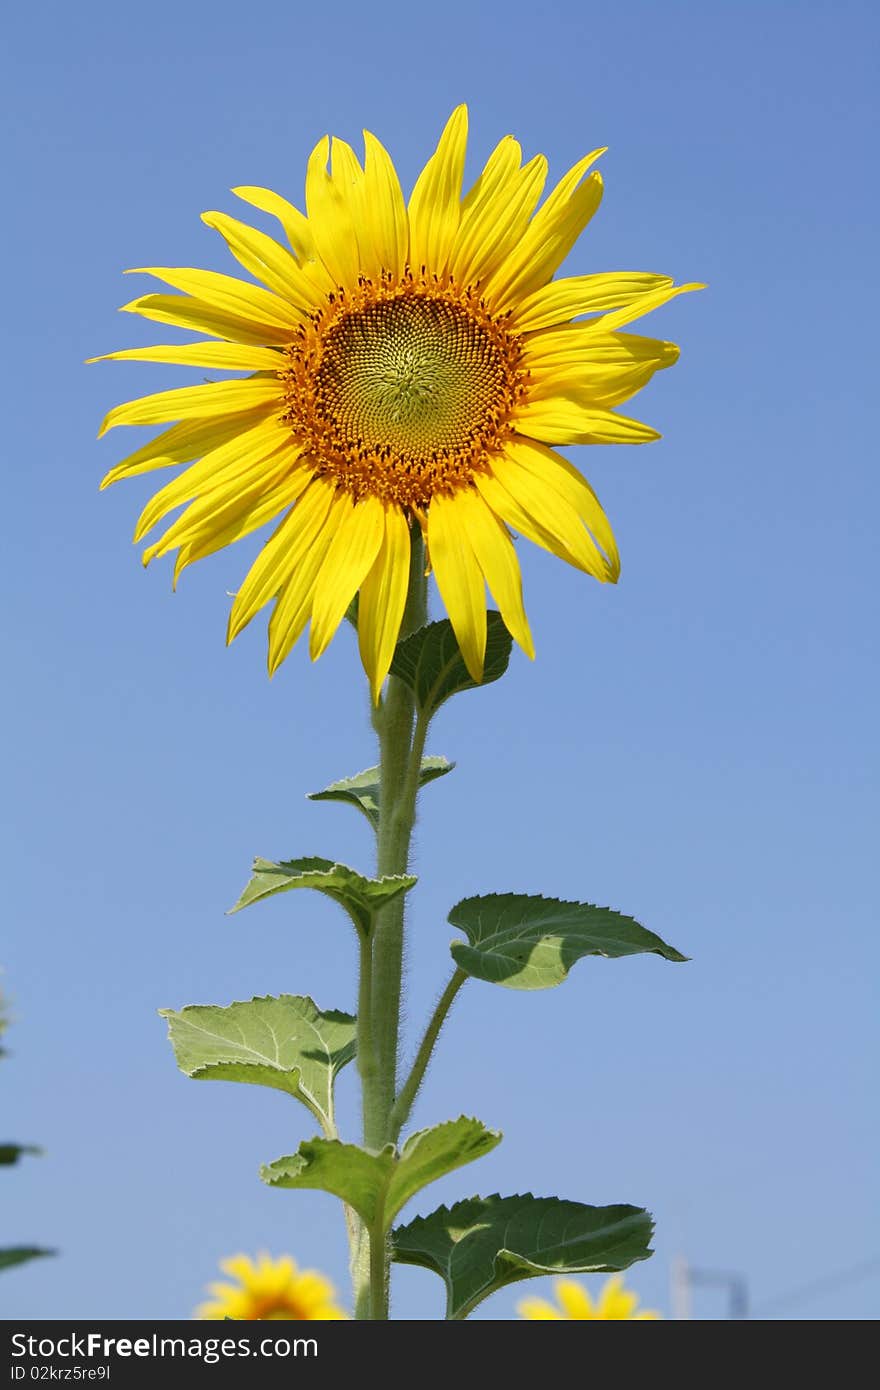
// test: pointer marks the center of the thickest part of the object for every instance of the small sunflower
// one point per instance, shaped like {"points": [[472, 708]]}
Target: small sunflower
{"points": [[270, 1290], [614, 1304], [406, 365]]}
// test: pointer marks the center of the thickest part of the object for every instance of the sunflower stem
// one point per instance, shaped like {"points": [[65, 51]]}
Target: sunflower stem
{"points": [[367, 1060], [397, 808], [367, 1063], [410, 1089], [401, 740], [358, 1263], [380, 1265]]}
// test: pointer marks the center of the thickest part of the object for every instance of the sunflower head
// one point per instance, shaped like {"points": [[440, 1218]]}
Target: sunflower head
{"points": [[614, 1304], [401, 365], [267, 1290]]}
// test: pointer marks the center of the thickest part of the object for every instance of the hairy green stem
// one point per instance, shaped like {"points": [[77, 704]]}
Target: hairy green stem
{"points": [[404, 1103], [396, 819], [367, 1063], [401, 741], [379, 1274]]}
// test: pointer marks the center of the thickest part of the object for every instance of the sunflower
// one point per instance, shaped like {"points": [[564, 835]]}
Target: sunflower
{"points": [[614, 1304], [270, 1290], [406, 365]]}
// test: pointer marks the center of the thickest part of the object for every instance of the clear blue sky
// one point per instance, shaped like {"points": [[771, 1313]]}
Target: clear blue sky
{"points": [[697, 747]]}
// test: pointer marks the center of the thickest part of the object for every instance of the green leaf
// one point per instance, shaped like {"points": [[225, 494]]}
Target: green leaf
{"points": [[378, 1184], [430, 1153], [286, 1043], [17, 1254], [11, 1153], [361, 897], [430, 663], [356, 1175], [362, 790], [478, 1246], [529, 942]]}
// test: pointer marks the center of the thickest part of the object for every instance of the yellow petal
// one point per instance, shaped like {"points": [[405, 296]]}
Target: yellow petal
{"points": [[226, 460], [294, 606], [554, 472], [549, 237], [183, 311], [593, 369], [557, 420], [597, 389], [232, 500], [294, 222], [298, 233], [210, 538], [565, 299], [312, 1290], [225, 292], [384, 207], [541, 515], [196, 402], [535, 1309], [224, 357], [383, 600], [238, 1266], [606, 323], [280, 555], [580, 343], [435, 207], [350, 557], [501, 166], [347, 178], [459, 579], [618, 1305], [497, 559], [376, 207], [181, 443], [263, 257], [331, 220], [494, 225], [575, 1300]]}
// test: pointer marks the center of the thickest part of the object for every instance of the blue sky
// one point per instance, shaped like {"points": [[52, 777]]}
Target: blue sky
{"points": [[696, 747]]}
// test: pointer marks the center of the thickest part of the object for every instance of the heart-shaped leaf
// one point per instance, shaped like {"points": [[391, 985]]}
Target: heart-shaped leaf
{"points": [[286, 1043], [377, 1185], [528, 942], [430, 663], [361, 897], [480, 1245], [363, 790]]}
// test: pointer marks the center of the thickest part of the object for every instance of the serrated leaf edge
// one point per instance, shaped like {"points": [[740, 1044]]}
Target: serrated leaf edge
{"points": [[555, 902], [398, 1154], [297, 1090], [333, 1015], [444, 1124], [430, 702], [503, 1251], [405, 882], [340, 784]]}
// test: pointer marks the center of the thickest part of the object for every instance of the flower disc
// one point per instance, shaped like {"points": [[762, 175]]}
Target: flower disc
{"points": [[401, 393]]}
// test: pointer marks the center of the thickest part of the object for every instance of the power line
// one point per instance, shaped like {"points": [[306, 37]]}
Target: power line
{"points": [[804, 1292]]}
